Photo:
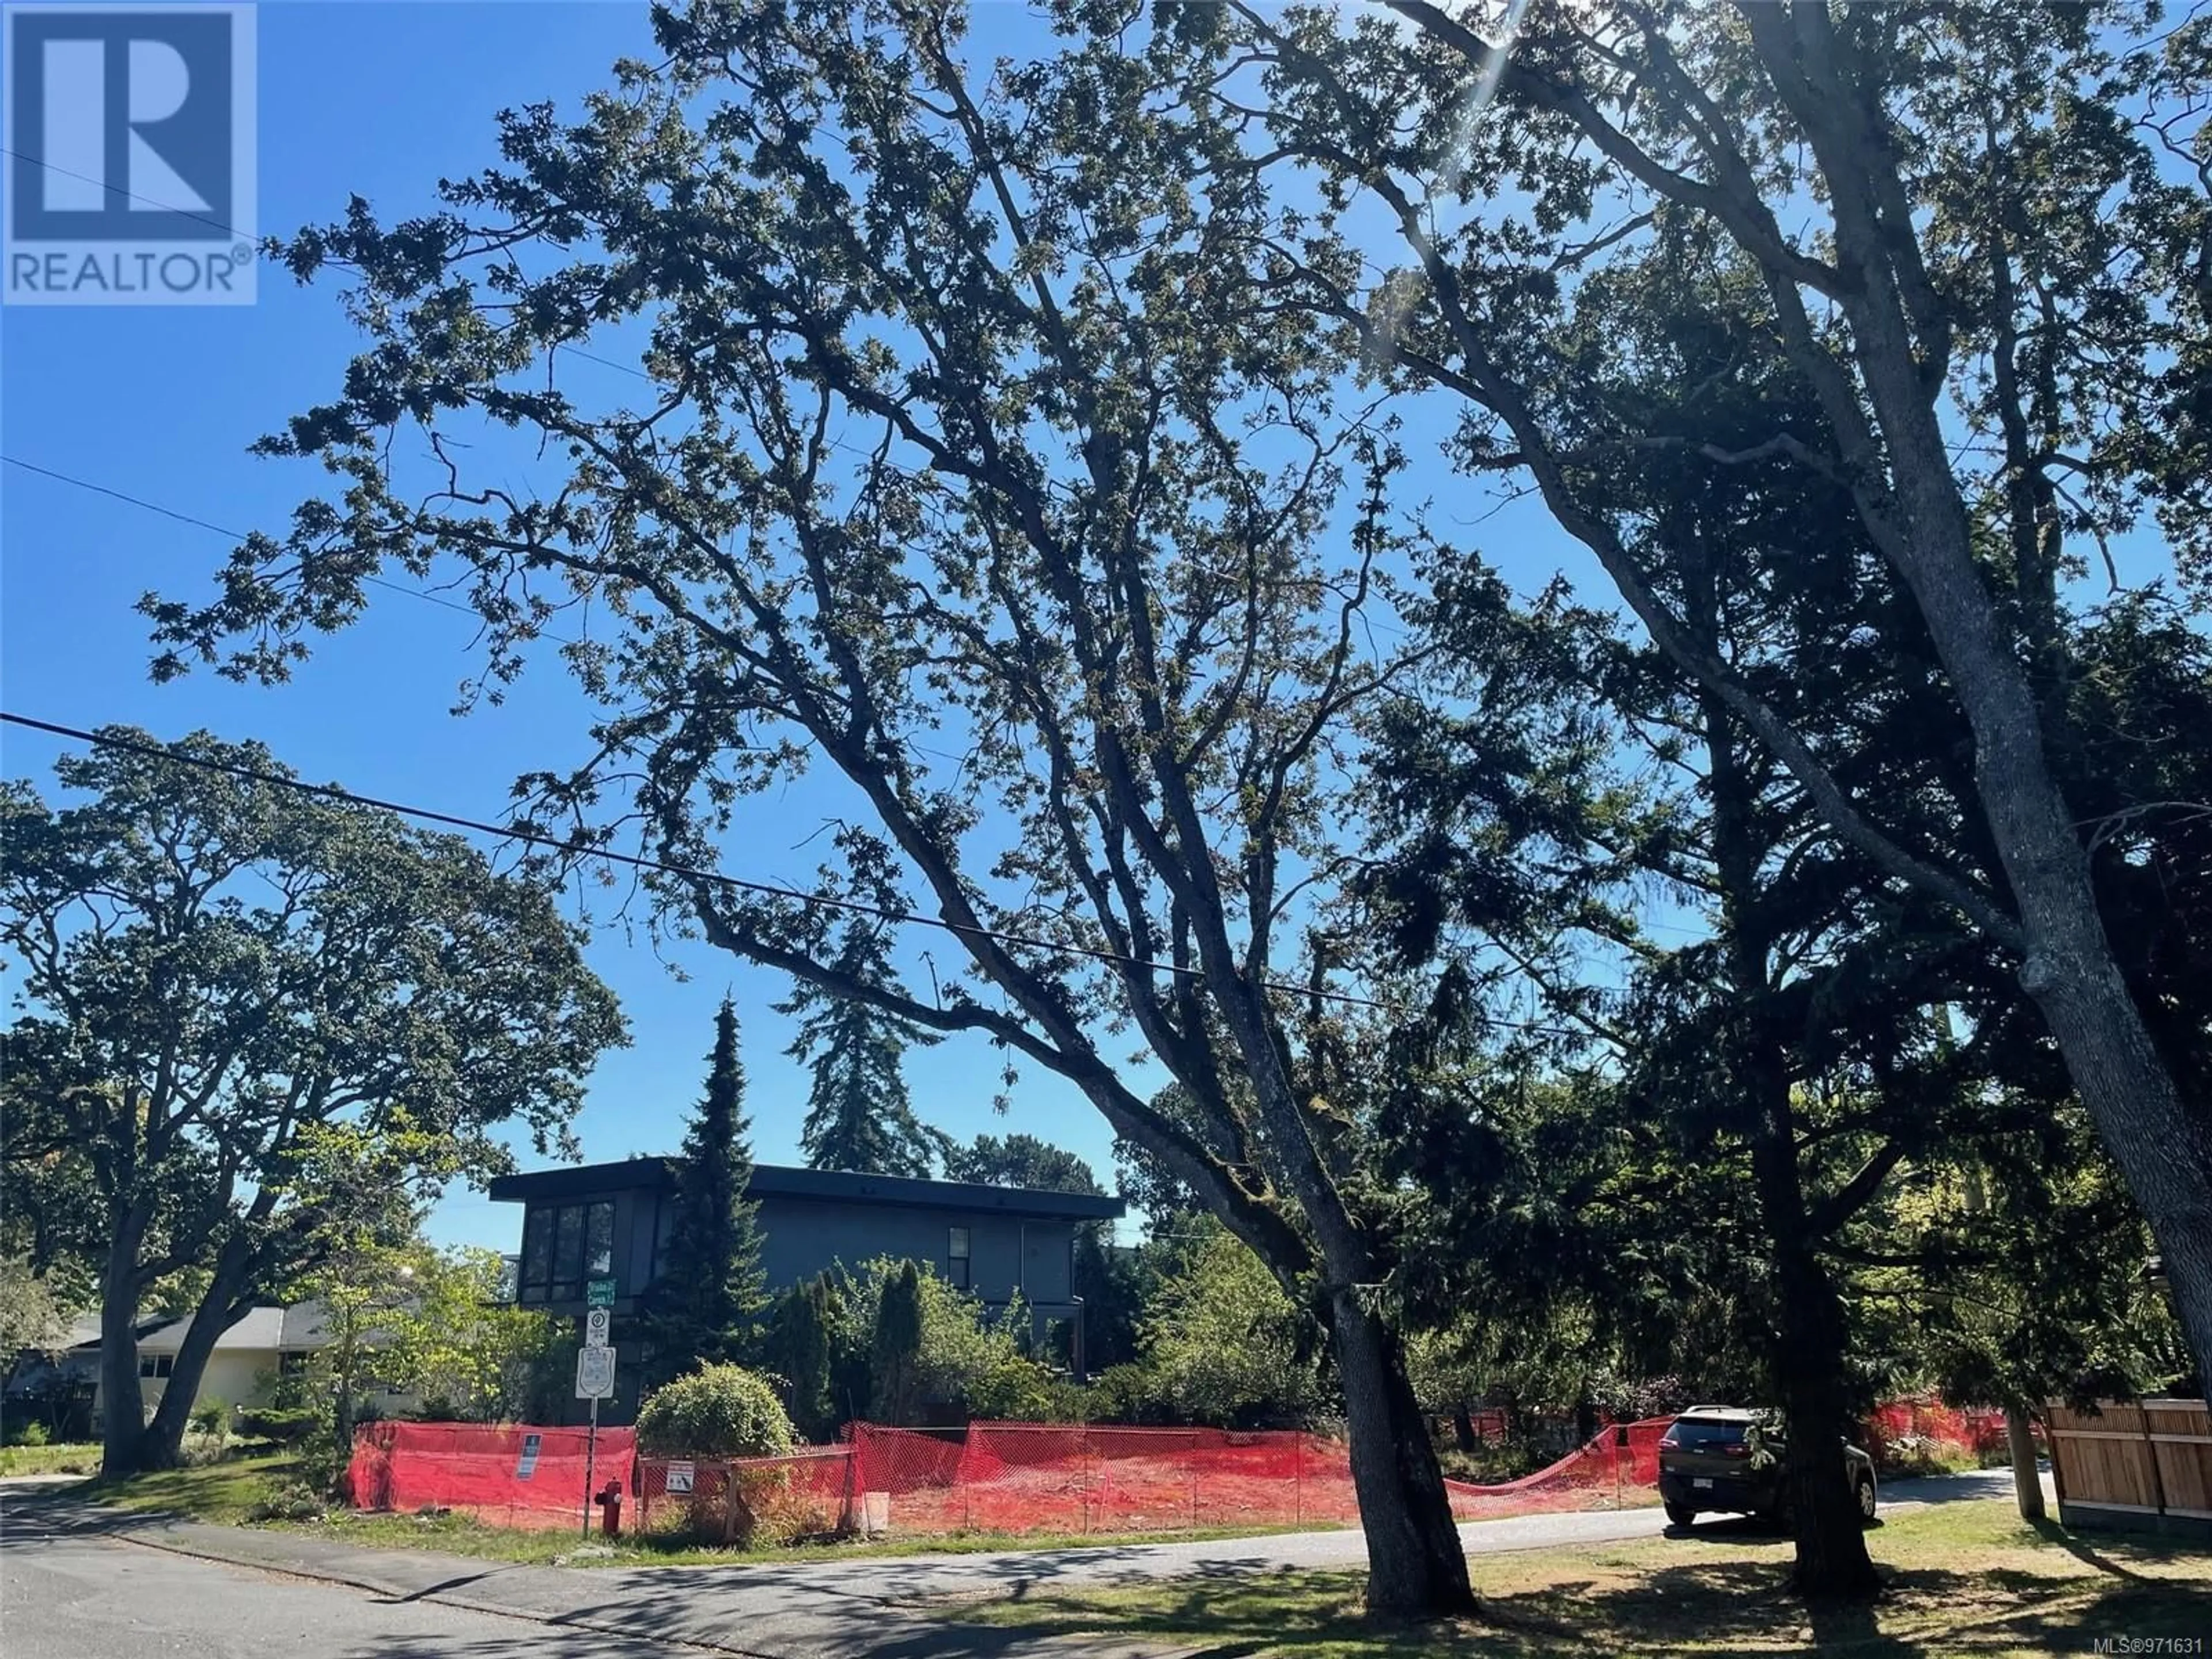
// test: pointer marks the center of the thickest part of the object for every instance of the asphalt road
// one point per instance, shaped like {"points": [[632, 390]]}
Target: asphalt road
{"points": [[67, 1595], [70, 1589]]}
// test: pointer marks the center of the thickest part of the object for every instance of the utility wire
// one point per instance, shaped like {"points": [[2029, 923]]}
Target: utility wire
{"points": [[141, 502], [631, 860], [117, 190]]}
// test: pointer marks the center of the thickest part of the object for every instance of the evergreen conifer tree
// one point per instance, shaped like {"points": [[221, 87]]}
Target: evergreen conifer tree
{"points": [[895, 1351], [859, 1115], [706, 1304]]}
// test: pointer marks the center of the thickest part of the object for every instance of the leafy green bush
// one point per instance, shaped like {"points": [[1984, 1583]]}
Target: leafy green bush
{"points": [[1017, 1390], [321, 1460], [1128, 1394], [717, 1411], [27, 1434], [211, 1417], [281, 1424], [294, 1502], [1230, 1347]]}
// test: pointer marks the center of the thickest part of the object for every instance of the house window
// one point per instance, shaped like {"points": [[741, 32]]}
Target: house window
{"points": [[957, 1259], [663, 1229], [156, 1365], [599, 1239], [292, 1363], [563, 1245]]}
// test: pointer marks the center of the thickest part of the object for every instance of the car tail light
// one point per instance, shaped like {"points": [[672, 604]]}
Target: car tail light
{"points": [[1734, 1448]]}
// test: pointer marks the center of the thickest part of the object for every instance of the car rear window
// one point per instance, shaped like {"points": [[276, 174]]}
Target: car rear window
{"points": [[1692, 1435]]}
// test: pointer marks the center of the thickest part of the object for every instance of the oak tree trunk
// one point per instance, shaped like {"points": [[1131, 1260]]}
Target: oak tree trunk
{"points": [[162, 1444], [122, 1406], [1416, 1564]]}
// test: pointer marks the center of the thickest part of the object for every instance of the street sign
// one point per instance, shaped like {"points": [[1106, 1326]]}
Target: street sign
{"points": [[599, 1293], [596, 1325], [528, 1466], [679, 1476], [595, 1373]]}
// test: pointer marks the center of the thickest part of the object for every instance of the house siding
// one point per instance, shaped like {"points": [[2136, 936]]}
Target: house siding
{"points": [[1018, 1242]]}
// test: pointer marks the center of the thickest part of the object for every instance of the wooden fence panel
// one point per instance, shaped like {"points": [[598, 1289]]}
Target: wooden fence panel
{"points": [[2150, 1461]]}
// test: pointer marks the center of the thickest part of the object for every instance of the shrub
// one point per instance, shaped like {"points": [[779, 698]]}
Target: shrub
{"points": [[322, 1461], [717, 1411], [1023, 1391], [1128, 1394], [1229, 1347], [29, 1434], [211, 1417], [294, 1502], [283, 1423]]}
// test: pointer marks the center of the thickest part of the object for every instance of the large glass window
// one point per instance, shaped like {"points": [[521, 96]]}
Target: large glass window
{"points": [[599, 1239], [956, 1261], [537, 1254], [567, 1252], [563, 1245], [156, 1365], [663, 1229]]}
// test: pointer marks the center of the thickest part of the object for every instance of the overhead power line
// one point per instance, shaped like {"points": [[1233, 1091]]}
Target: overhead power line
{"points": [[142, 503], [660, 867]]}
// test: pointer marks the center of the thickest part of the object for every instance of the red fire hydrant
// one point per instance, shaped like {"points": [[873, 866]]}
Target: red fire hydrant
{"points": [[610, 1501]]}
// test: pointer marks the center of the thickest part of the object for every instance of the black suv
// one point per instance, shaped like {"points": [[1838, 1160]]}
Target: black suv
{"points": [[1726, 1460]]}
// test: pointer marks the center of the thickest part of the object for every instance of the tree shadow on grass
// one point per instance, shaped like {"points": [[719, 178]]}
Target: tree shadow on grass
{"points": [[2140, 1610], [1743, 1608], [2096, 1550]]}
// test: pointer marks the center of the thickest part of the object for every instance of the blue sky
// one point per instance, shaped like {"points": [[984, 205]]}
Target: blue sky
{"points": [[381, 100]]}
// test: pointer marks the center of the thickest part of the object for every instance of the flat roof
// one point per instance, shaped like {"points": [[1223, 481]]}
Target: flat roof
{"points": [[824, 1186]]}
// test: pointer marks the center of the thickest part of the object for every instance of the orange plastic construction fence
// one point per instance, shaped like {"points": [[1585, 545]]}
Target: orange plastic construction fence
{"points": [[512, 1475], [1972, 1432], [1001, 1477], [1038, 1477]]}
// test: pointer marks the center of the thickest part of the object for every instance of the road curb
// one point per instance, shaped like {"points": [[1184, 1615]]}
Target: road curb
{"points": [[157, 1538]]}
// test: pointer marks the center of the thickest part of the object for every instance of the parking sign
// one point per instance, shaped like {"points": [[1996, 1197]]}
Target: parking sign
{"points": [[131, 171]]}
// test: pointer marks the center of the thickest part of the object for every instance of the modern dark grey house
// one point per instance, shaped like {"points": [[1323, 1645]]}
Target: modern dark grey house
{"points": [[613, 1220]]}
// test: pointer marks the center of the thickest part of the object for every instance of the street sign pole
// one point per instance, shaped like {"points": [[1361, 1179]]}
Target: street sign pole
{"points": [[590, 1457], [595, 1379]]}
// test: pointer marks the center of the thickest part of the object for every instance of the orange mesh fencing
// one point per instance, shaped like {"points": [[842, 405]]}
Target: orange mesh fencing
{"points": [[1038, 1477], [486, 1470], [1003, 1476], [1972, 1432]]}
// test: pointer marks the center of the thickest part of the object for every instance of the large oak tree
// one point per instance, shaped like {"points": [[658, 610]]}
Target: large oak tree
{"points": [[218, 973], [954, 466]]}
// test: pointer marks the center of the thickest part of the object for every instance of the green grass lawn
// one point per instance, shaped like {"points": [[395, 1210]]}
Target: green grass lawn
{"points": [[227, 1493], [65, 1459], [1964, 1578], [234, 1492]]}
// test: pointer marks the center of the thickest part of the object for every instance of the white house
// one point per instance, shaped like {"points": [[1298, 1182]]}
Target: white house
{"points": [[246, 1360]]}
